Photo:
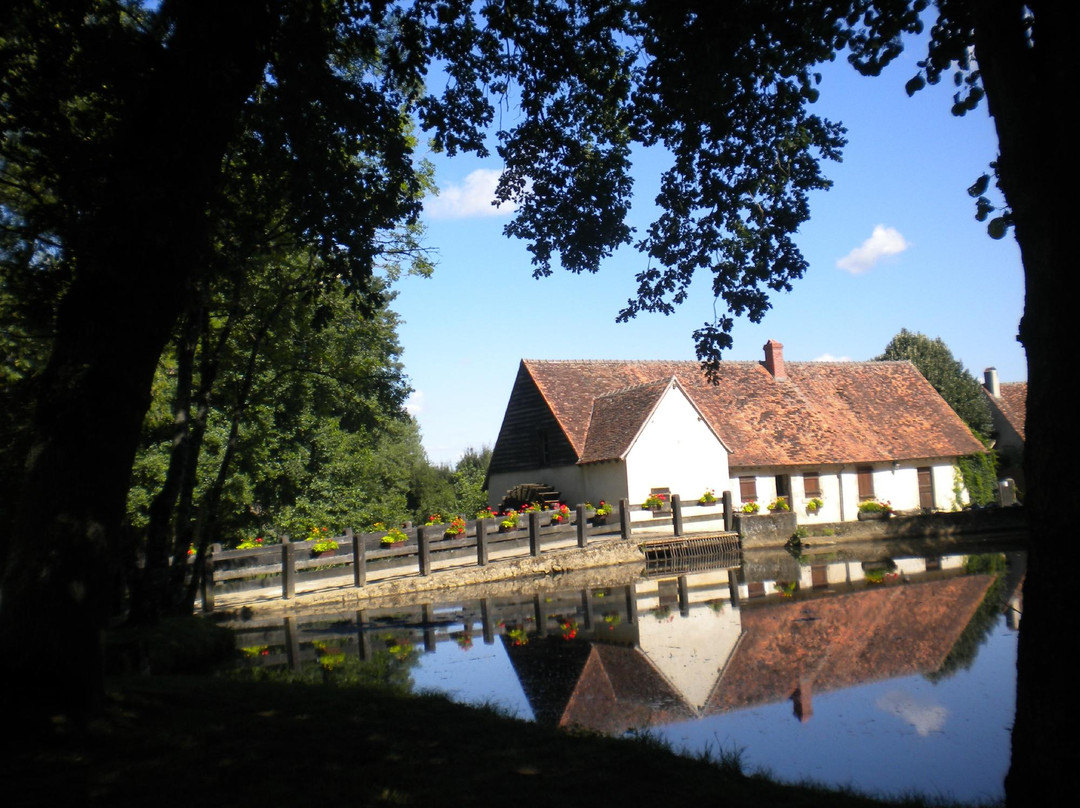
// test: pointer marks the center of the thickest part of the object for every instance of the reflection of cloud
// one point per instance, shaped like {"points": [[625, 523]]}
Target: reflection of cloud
{"points": [[830, 358], [883, 242], [471, 198], [925, 717], [414, 404]]}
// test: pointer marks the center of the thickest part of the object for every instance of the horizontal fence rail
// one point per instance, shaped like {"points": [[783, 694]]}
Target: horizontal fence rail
{"points": [[427, 548]]}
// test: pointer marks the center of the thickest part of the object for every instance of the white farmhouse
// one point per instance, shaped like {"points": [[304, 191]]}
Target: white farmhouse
{"points": [[835, 432]]}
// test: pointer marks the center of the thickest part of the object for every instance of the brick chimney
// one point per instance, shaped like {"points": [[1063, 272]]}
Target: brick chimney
{"points": [[774, 360], [991, 382]]}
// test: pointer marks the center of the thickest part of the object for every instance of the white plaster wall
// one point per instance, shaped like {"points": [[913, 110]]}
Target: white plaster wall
{"points": [[675, 450]]}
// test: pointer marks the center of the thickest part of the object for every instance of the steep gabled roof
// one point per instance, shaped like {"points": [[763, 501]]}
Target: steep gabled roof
{"points": [[618, 418], [823, 413], [1012, 403]]}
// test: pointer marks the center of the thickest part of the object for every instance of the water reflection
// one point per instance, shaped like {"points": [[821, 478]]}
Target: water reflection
{"points": [[807, 667]]}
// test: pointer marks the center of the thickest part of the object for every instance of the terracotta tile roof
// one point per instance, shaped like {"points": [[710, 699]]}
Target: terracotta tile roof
{"points": [[849, 639], [824, 413], [1012, 404]]}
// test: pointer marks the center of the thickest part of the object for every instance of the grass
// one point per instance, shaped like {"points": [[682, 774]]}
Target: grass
{"points": [[183, 740]]}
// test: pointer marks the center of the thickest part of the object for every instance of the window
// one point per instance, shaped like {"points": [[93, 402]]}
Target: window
{"points": [[866, 482], [811, 484], [748, 489]]}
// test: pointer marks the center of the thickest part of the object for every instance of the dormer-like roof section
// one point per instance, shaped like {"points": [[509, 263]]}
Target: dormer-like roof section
{"points": [[1012, 402], [822, 413]]}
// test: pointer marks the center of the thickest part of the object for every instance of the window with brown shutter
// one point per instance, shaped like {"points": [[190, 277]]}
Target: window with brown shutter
{"points": [[811, 484], [748, 489], [866, 482]]}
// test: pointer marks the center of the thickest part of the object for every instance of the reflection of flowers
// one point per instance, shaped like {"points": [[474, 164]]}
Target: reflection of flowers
{"points": [[518, 636], [464, 640], [612, 619], [253, 651], [569, 629], [329, 657], [399, 647], [785, 588]]}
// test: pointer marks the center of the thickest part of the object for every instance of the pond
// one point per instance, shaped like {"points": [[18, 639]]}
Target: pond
{"points": [[890, 675]]}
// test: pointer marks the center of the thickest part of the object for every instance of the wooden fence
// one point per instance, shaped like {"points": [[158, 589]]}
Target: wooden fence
{"points": [[363, 554], [292, 641]]}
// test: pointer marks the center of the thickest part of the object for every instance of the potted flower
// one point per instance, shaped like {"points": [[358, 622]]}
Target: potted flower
{"points": [[486, 513], [561, 515], [655, 502], [394, 536], [750, 508], [779, 505], [814, 505], [872, 509], [509, 521], [434, 519], [600, 513], [708, 498], [324, 544], [457, 528]]}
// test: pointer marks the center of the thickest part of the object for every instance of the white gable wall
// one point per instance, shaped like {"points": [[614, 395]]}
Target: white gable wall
{"points": [[676, 450]]}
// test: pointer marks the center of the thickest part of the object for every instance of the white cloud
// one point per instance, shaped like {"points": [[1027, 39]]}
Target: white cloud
{"points": [[414, 404], [883, 242], [924, 716], [471, 198]]}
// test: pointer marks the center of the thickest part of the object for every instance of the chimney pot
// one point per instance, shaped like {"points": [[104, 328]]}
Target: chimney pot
{"points": [[991, 382], [774, 360]]}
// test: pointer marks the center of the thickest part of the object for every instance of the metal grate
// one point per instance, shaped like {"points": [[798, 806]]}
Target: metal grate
{"points": [[691, 553]]}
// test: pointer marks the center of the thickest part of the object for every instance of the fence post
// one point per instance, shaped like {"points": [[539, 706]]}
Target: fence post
{"points": [[423, 550], [624, 518], [728, 518], [534, 533], [485, 622], [482, 541], [582, 527], [359, 558], [208, 579], [676, 514], [288, 568]]}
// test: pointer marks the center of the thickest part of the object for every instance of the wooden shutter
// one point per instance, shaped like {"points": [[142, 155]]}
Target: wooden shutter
{"points": [[866, 482]]}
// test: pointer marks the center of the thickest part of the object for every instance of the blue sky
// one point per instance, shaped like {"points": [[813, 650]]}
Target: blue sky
{"points": [[894, 244]]}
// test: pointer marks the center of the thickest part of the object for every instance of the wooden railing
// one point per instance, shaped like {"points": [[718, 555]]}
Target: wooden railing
{"points": [[362, 554]]}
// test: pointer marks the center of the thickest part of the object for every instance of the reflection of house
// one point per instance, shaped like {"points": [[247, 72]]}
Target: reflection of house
{"points": [[1008, 412], [839, 432], [783, 650]]}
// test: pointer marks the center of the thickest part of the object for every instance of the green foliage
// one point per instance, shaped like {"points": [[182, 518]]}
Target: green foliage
{"points": [[978, 474], [953, 383]]}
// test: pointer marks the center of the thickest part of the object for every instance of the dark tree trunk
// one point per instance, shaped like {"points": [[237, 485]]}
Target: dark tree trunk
{"points": [[1025, 85], [135, 253]]}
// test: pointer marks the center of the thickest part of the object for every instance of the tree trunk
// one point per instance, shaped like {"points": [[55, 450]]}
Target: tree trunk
{"points": [[1024, 80], [135, 252]]}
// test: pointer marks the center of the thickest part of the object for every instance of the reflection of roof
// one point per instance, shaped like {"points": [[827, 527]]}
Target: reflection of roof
{"points": [[825, 412], [1012, 403], [847, 639]]}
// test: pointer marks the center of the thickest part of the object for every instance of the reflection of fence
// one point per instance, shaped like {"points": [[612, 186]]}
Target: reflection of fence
{"points": [[426, 548], [608, 613]]}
